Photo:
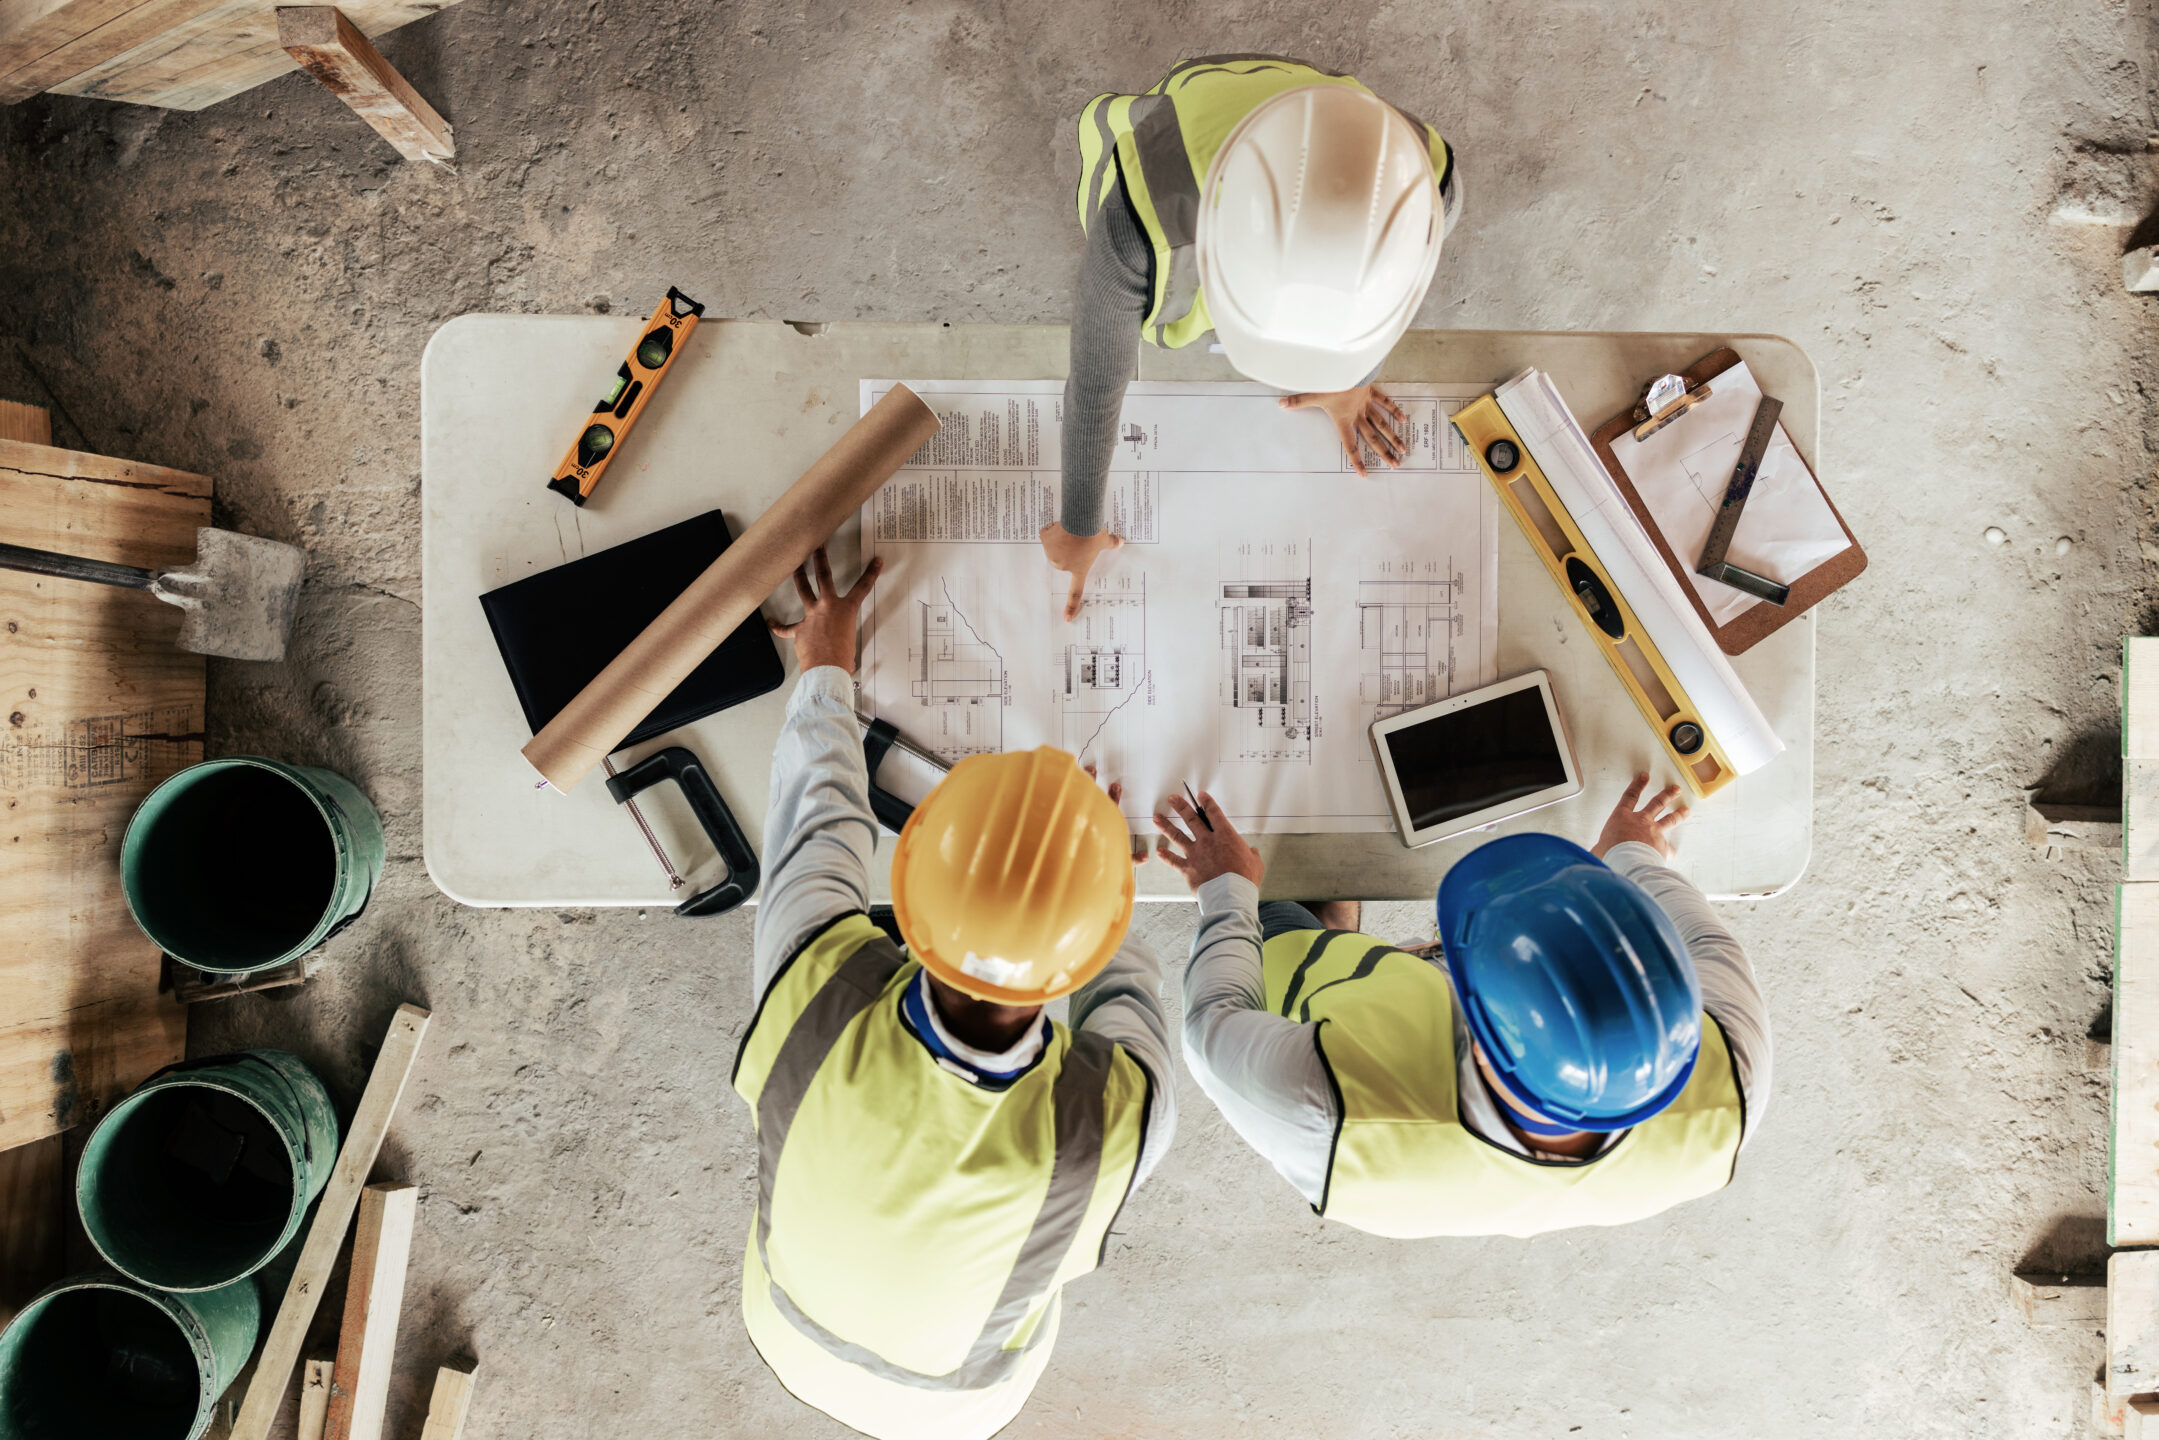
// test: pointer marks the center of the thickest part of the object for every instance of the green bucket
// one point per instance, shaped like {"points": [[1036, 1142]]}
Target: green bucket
{"points": [[98, 1357], [242, 864], [204, 1173]]}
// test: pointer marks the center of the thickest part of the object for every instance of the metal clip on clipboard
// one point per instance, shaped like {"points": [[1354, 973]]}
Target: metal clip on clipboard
{"points": [[1664, 400]]}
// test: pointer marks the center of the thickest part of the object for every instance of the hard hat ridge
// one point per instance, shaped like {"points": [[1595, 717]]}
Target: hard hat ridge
{"points": [[1310, 284], [1013, 880]]}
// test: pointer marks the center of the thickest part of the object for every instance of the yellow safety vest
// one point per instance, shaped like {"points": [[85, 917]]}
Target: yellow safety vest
{"points": [[1163, 142], [913, 1230], [1405, 1165]]}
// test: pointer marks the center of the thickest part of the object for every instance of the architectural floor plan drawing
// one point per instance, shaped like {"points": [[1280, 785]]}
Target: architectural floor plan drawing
{"points": [[958, 677], [1265, 624], [1410, 618], [1102, 685], [1267, 605]]}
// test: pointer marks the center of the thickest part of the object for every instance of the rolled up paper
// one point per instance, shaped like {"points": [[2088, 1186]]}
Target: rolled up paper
{"points": [[1541, 417], [587, 729]]}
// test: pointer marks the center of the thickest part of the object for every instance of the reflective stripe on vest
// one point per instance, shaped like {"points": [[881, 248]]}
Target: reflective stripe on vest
{"points": [[851, 977], [1404, 1163], [1161, 144]]}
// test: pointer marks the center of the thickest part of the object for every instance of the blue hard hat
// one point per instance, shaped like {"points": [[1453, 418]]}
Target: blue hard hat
{"points": [[1572, 980]]}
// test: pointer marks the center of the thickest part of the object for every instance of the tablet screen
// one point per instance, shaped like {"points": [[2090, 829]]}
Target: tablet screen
{"points": [[1475, 758]]}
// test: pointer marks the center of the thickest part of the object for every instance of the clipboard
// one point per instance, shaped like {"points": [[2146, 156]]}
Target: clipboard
{"points": [[1760, 620]]}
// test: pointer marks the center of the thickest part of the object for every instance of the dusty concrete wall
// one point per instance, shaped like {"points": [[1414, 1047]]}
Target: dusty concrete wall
{"points": [[1931, 198]]}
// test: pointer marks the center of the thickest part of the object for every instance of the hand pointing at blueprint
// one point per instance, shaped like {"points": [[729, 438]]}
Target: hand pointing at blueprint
{"points": [[1264, 607]]}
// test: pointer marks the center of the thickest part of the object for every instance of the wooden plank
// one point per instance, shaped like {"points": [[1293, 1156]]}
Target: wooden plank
{"points": [[222, 50], [2141, 1418], [2132, 1323], [2140, 698], [452, 1402], [162, 55], [29, 28], [28, 423], [2140, 758], [323, 41], [34, 1200], [333, 1212], [315, 1399], [2060, 1299], [2133, 1155], [374, 1298], [99, 705], [2140, 819], [118, 28], [33, 29]]}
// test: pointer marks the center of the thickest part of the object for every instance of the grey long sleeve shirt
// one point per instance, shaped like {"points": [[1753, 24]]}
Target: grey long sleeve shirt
{"points": [[1110, 302], [1264, 1072], [819, 837]]}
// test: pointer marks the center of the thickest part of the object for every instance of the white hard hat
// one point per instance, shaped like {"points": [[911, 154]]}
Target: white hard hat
{"points": [[1319, 229]]}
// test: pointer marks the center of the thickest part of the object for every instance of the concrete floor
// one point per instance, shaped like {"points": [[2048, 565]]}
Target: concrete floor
{"points": [[1931, 197]]}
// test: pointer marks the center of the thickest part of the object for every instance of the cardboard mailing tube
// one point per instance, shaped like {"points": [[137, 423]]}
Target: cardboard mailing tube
{"points": [[729, 592]]}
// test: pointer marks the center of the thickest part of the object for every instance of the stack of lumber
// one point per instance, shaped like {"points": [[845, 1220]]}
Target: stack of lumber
{"points": [[178, 54], [347, 1398], [100, 704]]}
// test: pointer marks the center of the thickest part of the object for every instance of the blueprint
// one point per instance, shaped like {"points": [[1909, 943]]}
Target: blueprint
{"points": [[1268, 605]]}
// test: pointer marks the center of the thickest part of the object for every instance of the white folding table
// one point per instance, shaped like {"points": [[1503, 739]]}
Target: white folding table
{"points": [[750, 405]]}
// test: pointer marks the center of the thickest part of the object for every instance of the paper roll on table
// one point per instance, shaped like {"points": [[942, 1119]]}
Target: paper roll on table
{"points": [[662, 657]]}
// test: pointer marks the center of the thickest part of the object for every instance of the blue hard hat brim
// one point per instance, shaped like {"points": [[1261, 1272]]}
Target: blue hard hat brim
{"points": [[1502, 867], [1603, 1124]]}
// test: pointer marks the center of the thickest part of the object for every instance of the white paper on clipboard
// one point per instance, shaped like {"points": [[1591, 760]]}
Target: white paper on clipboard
{"points": [[1681, 473]]}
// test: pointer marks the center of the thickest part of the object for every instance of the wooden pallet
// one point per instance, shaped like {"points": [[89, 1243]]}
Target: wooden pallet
{"points": [[177, 54]]}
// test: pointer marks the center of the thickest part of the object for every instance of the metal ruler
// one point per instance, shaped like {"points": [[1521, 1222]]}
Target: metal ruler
{"points": [[1713, 564]]}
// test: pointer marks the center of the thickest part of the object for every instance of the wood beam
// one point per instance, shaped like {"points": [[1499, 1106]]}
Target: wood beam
{"points": [[450, 1404], [374, 1299], [329, 47], [27, 423], [326, 1234]]}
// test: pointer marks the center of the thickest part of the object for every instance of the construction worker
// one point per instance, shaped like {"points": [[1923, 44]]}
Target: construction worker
{"points": [[936, 1158], [1592, 1051], [1284, 210]]}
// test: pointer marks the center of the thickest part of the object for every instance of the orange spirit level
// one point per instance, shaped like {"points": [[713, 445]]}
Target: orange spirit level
{"points": [[665, 334]]}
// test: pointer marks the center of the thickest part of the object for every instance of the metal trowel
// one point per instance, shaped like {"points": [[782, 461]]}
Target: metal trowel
{"points": [[239, 594]]}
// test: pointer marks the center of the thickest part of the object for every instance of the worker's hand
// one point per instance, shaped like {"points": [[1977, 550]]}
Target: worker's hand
{"points": [[1360, 414], [1075, 554], [1116, 797], [825, 635], [1651, 824], [1200, 854]]}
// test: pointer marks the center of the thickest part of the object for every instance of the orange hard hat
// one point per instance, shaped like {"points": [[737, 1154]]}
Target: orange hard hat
{"points": [[1013, 880]]}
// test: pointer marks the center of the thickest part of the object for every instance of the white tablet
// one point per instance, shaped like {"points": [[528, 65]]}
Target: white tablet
{"points": [[1473, 759]]}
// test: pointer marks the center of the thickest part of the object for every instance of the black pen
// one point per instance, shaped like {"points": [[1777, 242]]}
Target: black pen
{"points": [[1200, 809]]}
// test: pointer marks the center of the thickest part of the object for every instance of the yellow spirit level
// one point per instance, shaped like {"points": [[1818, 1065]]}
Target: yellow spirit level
{"points": [[1698, 755], [664, 336]]}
